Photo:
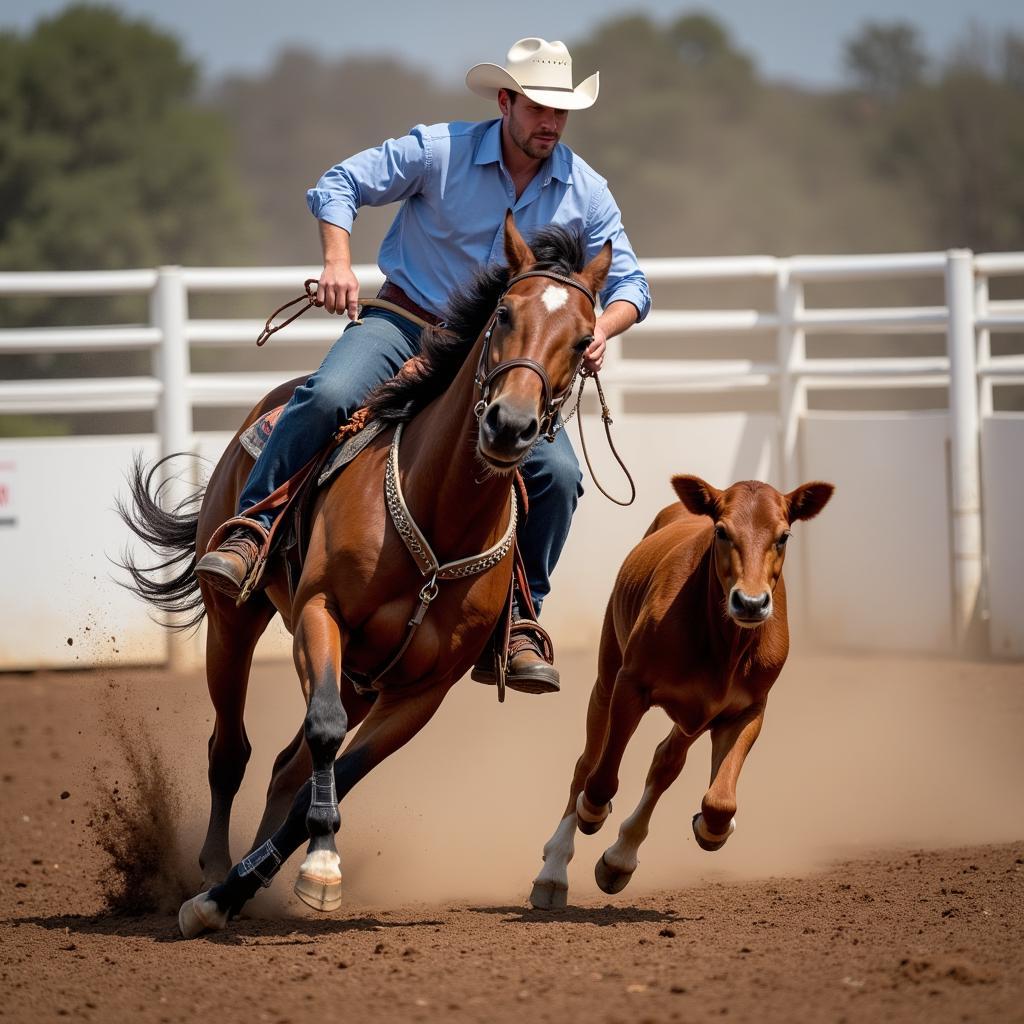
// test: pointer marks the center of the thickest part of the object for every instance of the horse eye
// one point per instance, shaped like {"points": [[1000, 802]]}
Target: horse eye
{"points": [[583, 344], [781, 542], [501, 315], [721, 533]]}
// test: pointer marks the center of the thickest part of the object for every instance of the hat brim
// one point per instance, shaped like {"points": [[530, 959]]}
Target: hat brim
{"points": [[486, 79]]}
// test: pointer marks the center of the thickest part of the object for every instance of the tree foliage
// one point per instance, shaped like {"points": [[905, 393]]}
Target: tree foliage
{"points": [[106, 159], [886, 60]]}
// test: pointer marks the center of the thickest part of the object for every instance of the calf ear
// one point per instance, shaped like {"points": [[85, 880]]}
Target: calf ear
{"points": [[517, 252], [595, 273], [807, 500], [698, 496]]}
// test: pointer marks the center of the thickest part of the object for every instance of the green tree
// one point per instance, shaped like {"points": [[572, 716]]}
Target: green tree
{"points": [[886, 60], [106, 159]]}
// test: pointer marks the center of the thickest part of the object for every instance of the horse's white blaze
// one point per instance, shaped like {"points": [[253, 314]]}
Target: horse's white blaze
{"points": [[558, 851], [622, 854], [322, 865], [554, 297]]}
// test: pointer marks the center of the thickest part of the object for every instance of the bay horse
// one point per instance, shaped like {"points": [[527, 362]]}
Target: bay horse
{"points": [[696, 624], [467, 410]]}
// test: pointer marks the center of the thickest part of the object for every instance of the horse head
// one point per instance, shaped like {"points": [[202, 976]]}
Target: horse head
{"points": [[752, 522], [533, 349]]}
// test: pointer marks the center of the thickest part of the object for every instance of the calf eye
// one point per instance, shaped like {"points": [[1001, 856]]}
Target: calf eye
{"points": [[721, 534], [781, 542]]}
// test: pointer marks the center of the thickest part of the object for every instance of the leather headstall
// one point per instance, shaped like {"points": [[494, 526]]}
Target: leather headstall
{"points": [[484, 378]]}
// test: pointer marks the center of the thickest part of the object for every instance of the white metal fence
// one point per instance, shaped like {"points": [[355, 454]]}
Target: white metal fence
{"points": [[967, 319]]}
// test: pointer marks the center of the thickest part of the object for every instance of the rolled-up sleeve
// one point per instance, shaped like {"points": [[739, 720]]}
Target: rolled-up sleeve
{"points": [[388, 173], [626, 281]]}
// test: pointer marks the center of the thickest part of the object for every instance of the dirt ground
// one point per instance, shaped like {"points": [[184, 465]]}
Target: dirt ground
{"points": [[876, 872]]}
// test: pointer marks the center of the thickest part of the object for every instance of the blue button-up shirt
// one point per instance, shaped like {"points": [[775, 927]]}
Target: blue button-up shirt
{"points": [[455, 189]]}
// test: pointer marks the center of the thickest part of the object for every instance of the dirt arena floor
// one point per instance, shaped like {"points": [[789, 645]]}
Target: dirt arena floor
{"points": [[876, 872]]}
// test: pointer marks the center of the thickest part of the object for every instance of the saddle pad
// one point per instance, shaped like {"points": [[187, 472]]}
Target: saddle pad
{"points": [[345, 453], [254, 438]]}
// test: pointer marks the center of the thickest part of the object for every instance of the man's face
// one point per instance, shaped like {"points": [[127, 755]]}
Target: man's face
{"points": [[533, 128]]}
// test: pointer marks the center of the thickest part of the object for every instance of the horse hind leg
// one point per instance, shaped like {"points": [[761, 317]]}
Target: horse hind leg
{"points": [[231, 639], [617, 864]]}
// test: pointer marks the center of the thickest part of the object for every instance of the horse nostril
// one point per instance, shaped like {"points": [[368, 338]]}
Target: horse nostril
{"points": [[748, 607], [491, 418], [529, 432]]}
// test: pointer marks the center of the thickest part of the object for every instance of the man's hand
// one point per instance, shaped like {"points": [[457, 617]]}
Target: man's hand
{"points": [[338, 290], [593, 358]]}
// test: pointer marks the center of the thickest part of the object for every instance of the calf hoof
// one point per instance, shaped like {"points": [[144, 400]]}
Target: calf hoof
{"points": [[549, 896], [708, 840], [587, 821], [610, 880], [319, 881], [201, 914]]}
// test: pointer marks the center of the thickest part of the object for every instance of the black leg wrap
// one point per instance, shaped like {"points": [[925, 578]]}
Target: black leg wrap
{"points": [[263, 863], [324, 793]]}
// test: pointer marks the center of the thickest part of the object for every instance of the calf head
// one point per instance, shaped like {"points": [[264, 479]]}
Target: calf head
{"points": [[752, 522]]}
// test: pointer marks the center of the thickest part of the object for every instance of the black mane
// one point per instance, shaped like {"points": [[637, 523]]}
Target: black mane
{"points": [[443, 350]]}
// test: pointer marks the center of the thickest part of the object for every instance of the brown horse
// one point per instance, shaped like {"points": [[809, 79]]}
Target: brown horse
{"points": [[696, 624], [362, 581]]}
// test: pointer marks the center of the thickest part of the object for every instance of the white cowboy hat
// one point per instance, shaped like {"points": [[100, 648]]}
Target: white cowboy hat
{"points": [[541, 71]]}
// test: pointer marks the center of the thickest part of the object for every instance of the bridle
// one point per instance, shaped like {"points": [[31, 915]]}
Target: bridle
{"points": [[552, 404]]}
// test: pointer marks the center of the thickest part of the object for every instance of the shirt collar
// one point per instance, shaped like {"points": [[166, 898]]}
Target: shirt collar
{"points": [[558, 165]]}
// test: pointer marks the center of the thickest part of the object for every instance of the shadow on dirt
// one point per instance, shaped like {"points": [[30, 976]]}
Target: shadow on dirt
{"points": [[241, 932], [604, 917]]}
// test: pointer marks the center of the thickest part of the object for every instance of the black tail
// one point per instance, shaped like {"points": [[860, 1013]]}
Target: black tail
{"points": [[171, 534]]}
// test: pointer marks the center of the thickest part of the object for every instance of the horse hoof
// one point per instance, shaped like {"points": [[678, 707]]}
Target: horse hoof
{"points": [[548, 896], [319, 881], [708, 840], [586, 821], [610, 880], [201, 914]]}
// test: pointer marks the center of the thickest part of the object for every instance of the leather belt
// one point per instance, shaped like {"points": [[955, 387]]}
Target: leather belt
{"points": [[390, 292]]}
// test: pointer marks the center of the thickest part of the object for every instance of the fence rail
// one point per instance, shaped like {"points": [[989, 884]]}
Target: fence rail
{"points": [[968, 369]]}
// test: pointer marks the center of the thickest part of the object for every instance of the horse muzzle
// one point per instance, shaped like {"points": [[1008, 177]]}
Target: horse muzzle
{"points": [[507, 431]]}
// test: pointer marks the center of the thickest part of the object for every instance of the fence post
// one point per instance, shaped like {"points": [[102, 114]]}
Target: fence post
{"points": [[169, 312], [790, 353], [964, 447]]}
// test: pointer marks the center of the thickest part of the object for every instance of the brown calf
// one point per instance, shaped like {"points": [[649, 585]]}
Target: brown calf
{"points": [[696, 624]]}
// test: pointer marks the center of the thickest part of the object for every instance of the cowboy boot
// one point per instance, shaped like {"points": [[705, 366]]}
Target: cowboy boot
{"points": [[229, 565], [530, 660]]}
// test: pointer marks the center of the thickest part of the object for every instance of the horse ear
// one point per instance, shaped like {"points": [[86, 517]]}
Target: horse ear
{"points": [[517, 252], [807, 500], [698, 496], [595, 272]]}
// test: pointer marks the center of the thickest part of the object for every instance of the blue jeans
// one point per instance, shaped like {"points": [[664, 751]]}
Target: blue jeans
{"points": [[367, 354]]}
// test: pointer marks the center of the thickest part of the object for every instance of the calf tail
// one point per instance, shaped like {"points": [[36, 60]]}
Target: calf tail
{"points": [[170, 533]]}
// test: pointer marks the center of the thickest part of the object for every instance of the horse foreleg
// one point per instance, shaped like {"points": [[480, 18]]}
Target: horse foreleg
{"points": [[318, 652], [616, 866], [293, 766], [230, 642], [730, 743], [393, 721]]}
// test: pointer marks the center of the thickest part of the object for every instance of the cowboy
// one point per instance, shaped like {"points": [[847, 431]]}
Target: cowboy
{"points": [[454, 182]]}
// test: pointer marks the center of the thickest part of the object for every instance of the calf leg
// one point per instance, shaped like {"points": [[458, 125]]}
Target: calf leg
{"points": [[629, 702], [619, 861], [551, 886], [730, 743], [394, 720]]}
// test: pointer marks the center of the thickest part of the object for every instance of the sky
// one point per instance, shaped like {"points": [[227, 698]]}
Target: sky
{"points": [[799, 41]]}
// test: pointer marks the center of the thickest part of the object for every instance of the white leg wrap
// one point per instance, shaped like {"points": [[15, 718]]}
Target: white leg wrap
{"points": [[710, 837]]}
